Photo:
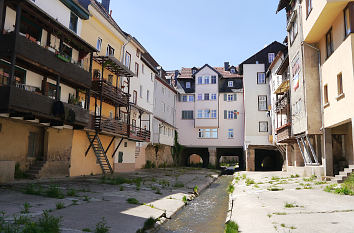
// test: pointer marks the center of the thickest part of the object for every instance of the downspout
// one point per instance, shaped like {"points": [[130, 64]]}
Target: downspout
{"points": [[123, 49]]}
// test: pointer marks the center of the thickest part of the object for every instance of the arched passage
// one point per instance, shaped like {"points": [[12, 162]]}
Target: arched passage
{"points": [[195, 160], [202, 152], [268, 160], [231, 154]]}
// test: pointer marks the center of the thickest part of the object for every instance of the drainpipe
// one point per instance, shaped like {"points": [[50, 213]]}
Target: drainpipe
{"points": [[123, 49]]}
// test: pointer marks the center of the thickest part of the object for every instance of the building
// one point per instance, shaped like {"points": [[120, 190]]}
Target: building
{"points": [[44, 83], [327, 31], [260, 153], [210, 112]]}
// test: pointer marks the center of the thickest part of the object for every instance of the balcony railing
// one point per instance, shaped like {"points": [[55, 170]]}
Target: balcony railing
{"points": [[282, 102], [108, 125], [28, 101], [284, 133], [110, 94], [139, 134]]}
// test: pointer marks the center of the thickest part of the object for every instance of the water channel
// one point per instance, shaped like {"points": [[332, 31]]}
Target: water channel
{"points": [[206, 214]]}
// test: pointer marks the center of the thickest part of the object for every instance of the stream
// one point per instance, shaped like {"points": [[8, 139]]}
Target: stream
{"points": [[205, 214]]}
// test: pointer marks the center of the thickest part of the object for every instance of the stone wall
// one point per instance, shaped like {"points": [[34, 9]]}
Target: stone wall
{"points": [[164, 156]]}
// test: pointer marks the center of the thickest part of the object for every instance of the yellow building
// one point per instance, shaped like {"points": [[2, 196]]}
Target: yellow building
{"points": [[328, 27]]}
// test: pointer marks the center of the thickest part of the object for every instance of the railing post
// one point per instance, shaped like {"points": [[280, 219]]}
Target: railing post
{"points": [[2, 15], [13, 55]]}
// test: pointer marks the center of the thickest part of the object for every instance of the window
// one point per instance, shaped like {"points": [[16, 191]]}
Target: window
{"points": [[200, 114], [187, 115], [188, 84], [293, 31], [347, 24], [110, 51], [141, 91], [184, 98], [213, 114], [208, 133], [233, 70], [206, 96], [271, 57], [213, 96], [263, 126], [230, 97], [110, 114], [339, 84], [73, 22], [191, 98], [308, 7], [135, 97], [206, 80], [230, 133], [213, 79], [200, 97], [230, 83], [262, 103], [127, 59], [325, 94], [329, 43], [142, 68], [147, 95], [230, 115], [99, 44], [207, 114], [137, 69], [200, 80], [261, 79]]}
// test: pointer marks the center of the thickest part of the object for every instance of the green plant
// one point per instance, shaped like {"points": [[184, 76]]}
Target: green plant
{"points": [[244, 176], [149, 223], [274, 188], [280, 213], [311, 178], [231, 227], [20, 220], [133, 201], [86, 230], [195, 189], [158, 191], [178, 185], [101, 227], [54, 192], [71, 193], [26, 207], [33, 189], [249, 181], [86, 198], [177, 150], [121, 188], [59, 205], [117, 180], [282, 225], [185, 200], [230, 188], [149, 165], [74, 202], [290, 205]]}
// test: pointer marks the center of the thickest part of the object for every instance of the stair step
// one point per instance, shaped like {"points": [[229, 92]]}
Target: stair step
{"points": [[345, 172], [351, 166], [349, 170]]}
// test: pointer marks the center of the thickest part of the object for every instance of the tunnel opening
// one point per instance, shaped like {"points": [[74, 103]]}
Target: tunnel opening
{"points": [[195, 160], [268, 160]]}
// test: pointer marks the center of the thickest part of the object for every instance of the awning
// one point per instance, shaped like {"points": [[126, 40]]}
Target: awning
{"points": [[284, 87], [114, 65]]}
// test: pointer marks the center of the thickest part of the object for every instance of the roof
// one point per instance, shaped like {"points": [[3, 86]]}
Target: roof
{"points": [[282, 4], [76, 7], [186, 73], [224, 87]]}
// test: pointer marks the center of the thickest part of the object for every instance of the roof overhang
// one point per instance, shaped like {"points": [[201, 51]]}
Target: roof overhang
{"points": [[114, 65]]}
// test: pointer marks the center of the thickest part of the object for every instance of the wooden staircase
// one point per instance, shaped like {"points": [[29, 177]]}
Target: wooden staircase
{"points": [[100, 153], [34, 169], [344, 175]]}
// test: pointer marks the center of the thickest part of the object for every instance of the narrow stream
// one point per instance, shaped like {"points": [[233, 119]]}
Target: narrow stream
{"points": [[206, 214]]}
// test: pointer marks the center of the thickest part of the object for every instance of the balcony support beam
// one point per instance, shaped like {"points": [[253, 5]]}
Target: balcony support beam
{"points": [[115, 151], [13, 55], [110, 144]]}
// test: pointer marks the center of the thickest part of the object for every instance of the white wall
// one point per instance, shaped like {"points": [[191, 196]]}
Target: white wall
{"points": [[128, 152], [252, 115]]}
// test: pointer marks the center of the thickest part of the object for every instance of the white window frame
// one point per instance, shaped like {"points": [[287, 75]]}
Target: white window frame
{"points": [[200, 114], [99, 44], [230, 115], [230, 83], [263, 131], [230, 97], [271, 57], [191, 98], [200, 97], [188, 85], [213, 97], [261, 78], [230, 134], [206, 80], [213, 114]]}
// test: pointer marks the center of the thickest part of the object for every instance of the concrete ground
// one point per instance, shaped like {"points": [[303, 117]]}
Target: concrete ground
{"points": [[259, 208], [92, 200]]}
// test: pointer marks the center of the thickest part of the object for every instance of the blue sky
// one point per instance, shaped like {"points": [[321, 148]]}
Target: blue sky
{"points": [[187, 33]]}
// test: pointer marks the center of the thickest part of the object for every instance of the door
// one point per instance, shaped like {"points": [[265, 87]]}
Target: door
{"points": [[35, 145]]}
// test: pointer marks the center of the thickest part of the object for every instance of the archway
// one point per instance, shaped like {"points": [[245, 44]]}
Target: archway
{"points": [[195, 160], [230, 156], [202, 152], [268, 160]]}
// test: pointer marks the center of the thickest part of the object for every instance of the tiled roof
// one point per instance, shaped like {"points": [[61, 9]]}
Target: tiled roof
{"points": [[186, 73]]}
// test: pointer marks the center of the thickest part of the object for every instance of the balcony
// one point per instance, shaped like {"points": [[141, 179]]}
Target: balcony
{"points": [[29, 53], [282, 103], [108, 126], [139, 134], [24, 101], [284, 134], [110, 94]]}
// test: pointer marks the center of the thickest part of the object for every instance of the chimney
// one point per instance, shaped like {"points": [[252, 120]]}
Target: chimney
{"points": [[226, 66], [105, 4]]}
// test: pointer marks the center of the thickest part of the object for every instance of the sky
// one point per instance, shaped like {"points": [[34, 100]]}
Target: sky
{"points": [[188, 33]]}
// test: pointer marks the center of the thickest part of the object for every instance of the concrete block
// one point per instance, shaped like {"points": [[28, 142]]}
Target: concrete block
{"points": [[7, 171]]}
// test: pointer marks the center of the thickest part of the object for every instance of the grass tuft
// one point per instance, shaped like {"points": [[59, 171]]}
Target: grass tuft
{"points": [[133, 201], [231, 227]]}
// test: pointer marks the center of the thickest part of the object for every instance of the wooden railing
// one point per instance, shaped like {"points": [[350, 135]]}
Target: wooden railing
{"points": [[284, 133], [110, 94], [108, 125], [139, 134]]}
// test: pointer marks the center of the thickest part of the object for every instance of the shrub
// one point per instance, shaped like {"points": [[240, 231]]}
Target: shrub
{"points": [[149, 223], [231, 227], [101, 227], [149, 165], [19, 174], [26, 207], [133, 201]]}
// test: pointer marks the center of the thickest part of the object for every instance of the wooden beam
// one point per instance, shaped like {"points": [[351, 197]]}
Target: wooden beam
{"points": [[110, 144], [2, 15], [115, 151], [13, 55]]}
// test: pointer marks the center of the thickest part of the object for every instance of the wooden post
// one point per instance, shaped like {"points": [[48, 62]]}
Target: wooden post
{"points": [[57, 94], [2, 15], [13, 55]]}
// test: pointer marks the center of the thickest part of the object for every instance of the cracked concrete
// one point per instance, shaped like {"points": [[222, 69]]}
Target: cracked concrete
{"points": [[256, 209], [95, 200]]}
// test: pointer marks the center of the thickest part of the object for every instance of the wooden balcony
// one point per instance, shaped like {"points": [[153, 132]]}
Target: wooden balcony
{"points": [[282, 103], [139, 134], [23, 101], [30, 54], [284, 134], [110, 94], [108, 126]]}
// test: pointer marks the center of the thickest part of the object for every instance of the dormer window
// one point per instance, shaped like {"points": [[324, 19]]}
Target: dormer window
{"points": [[271, 57], [233, 70], [230, 83], [188, 84]]}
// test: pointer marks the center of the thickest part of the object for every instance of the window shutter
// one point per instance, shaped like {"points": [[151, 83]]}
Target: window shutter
{"points": [[235, 114], [225, 114], [235, 97], [225, 97]]}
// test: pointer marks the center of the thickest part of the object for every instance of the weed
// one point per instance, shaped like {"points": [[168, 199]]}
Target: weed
{"points": [[295, 176], [256, 186], [310, 179], [86, 198], [33, 189], [274, 188], [290, 205], [59, 205], [26, 207], [153, 179], [133, 201], [158, 191], [121, 188], [231, 227], [298, 188], [282, 225], [185, 200], [178, 185], [117, 180], [86, 230], [149, 223], [230, 188], [269, 215], [19, 174], [244, 176], [280, 213], [71, 193], [195, 189], [54, 192], [320, 182], [101, 227], [249, 181], [275, 178], [292, 227], [20, 220], [164, 183], [149, 165]]}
